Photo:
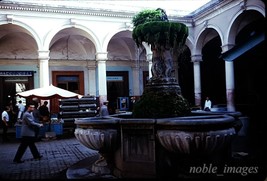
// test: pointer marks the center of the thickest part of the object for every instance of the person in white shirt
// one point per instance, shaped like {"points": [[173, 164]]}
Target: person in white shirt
{"points": [[21, 109], [5, 119], [207, 105]]}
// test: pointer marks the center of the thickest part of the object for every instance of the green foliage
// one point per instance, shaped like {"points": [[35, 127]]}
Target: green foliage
{"points": [[158, 105], [167, 34], [146, 16]]}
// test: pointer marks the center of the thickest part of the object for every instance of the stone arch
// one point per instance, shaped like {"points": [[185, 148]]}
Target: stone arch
{"points": [[28, 30], [206, 34], [235, 25], [111, 34], [257, 6], [84, 31], [246, 26], [122, 47], [189, 43], [212, 69]]}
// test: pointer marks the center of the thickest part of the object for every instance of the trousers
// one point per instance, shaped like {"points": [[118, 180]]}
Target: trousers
{"points": [[5, 129], [27, 141]]}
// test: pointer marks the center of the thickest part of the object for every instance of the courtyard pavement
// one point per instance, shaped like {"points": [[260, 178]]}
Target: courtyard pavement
{"points": [[58, 155], [64, 154]]}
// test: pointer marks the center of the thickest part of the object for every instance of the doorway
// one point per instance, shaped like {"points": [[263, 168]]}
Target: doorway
{"points": [[71, 80], [117, 86]]}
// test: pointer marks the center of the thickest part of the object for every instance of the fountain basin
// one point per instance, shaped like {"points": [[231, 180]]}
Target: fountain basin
{"points": [[101, 134], [199, 135], [134, 144], [97, 133]]}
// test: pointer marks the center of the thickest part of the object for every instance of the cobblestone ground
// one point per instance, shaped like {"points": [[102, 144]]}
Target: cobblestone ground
{"points": [[58, 155]]}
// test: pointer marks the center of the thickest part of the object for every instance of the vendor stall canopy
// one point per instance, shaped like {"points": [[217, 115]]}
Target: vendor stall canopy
{"points": [[48, 92]]}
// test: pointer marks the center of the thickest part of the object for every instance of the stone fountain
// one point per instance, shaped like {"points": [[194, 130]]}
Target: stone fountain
{"points": [[162, 137], [151, 148]]}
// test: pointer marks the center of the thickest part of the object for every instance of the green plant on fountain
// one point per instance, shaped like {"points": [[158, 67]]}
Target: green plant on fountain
{"points": [[162, 95]]}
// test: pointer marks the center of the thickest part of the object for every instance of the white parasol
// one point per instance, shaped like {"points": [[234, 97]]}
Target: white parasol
{"points": [[49, 92]]}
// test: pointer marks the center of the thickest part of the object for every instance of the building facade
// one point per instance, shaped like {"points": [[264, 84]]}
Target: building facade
{"points": [[91, 52]]}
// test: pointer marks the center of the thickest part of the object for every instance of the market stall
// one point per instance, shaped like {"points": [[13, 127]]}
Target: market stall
{"points": [[53, 126]]}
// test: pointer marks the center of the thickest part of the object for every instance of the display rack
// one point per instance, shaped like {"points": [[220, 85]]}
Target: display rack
{"points": [[77, 108]]}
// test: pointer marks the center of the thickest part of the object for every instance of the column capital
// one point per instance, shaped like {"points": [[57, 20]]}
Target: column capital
{"points": [[101, 55], [196, 58], [135, 67], [43, 55], [91, 67]]}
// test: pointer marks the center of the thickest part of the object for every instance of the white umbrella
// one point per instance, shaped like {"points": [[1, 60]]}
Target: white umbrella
{"points": [[49, 92]]}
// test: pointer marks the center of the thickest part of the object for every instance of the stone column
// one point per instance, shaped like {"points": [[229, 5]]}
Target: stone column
{"points": [[44, 68], [136, 81], [92, 80], [101, 58], [229, 80], [196, 59]]}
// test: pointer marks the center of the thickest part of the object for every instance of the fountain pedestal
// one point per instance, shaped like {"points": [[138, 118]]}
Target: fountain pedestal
{"points": [[136, 156]]}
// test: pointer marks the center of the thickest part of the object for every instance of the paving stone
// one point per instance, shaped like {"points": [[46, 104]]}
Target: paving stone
{"points": [[58, 155]]}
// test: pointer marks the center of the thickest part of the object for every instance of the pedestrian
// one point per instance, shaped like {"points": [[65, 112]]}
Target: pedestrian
{"points": [[104, 109], [28, 135], [5, 121], [21, 109], [207, 105], [44, 112], [132, 102], [36, 116], [12, 114]]}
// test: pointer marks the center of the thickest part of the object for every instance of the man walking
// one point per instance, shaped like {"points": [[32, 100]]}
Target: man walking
{"points": [[28, 135]]}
